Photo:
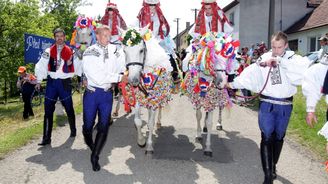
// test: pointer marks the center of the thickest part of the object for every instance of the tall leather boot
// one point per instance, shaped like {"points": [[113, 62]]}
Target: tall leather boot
{"points": [[47, 129], [88, 139], [267, 162], [72, 125], [99, 144], [277, 147]]}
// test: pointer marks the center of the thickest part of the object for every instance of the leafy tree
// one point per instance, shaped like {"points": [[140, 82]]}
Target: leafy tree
{"points": [[64, 11]]}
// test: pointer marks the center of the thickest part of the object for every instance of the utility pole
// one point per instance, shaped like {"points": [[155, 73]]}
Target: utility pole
{"points": [[271, 21], [280, 15], [177, 39], [195, 10]]}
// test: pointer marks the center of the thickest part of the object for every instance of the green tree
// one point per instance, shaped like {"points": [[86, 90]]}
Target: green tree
{"points": [[64, 11], [15, 20]]}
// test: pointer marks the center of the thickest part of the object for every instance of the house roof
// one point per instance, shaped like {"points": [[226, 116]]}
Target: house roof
{"points": [[184, 31], [230, 5], [314, 3], [317, 18]]}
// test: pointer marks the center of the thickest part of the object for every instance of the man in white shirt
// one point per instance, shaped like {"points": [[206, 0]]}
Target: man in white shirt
{"points": [[315, 84], [285, 70], [102, 66], [57, 66]]}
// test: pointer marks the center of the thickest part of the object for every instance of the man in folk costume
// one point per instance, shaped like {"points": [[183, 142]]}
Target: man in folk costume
{"points": [[102, 67], [285, 70], [113, 19], [152, 15], [315, 84], [211, 18], [57, 66]]}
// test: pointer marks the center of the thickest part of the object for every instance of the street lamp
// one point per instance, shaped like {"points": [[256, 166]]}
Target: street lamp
{"points": [[177, 39]]}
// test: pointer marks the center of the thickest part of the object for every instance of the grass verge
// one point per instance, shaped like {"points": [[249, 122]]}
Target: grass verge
{"points": [[16, 132]]}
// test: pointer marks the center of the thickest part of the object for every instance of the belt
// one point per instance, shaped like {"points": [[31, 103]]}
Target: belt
{"points": [[278, 101], [92, 89]]}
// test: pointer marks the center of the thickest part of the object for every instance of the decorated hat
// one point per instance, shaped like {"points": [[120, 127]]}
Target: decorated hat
{"points": [[21, 69], [323, 38], [111, 5], [208, 1], [151, 1]]}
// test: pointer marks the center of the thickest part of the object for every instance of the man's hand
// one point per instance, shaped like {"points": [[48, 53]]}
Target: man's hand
{"points": [[125, 79], [272, 62], [311, 119], [37, 87]]}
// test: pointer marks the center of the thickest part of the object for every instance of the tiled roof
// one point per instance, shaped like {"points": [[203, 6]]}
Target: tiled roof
{"points": [[317, 18]]}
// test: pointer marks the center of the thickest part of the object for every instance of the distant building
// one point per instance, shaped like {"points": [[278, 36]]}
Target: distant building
{"points": [[303, 20]]}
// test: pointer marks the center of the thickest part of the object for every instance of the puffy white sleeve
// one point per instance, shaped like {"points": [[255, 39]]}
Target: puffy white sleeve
{"points": [[41, 68], [324, 131], [311, 86], [251, 78], [296, 67], [227, 27], [78, 66]]}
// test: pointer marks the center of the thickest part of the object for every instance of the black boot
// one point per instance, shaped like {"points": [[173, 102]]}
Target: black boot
{"points": [[88, 139], [99, 144], [72, 126], [47, 129], [266, 158], [277, 147]]}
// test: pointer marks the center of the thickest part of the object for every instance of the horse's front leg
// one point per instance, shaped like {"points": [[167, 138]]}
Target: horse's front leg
{"points": [[138, 122], [208, 121], [151, 123], [219, 124], [117, 105], [199, 129], [159, 124]]}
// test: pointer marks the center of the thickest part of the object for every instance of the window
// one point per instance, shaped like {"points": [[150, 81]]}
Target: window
{"points": [[313, 44], [293, 45], [232, 18]]}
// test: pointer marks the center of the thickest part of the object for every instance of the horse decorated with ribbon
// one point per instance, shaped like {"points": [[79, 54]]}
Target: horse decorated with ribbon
{"points": [[212, 55], [149, 78], [83, 35]]}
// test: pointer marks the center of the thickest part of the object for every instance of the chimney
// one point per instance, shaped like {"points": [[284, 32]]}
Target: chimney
{"points": [[187, 25]]}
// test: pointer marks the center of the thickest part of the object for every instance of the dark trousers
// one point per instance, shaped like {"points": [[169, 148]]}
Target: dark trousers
{"points": [[27, 92], [98, 102], [58, 88]]}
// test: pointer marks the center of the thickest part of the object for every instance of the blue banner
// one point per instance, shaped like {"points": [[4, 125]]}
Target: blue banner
{"points": [[34, 46]]}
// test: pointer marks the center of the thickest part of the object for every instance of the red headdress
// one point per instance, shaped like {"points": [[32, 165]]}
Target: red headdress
{"points": [[200, 21], [116, 17], [145, 19]]}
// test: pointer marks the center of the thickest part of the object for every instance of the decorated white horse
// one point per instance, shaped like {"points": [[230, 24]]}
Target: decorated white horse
{"points": [[84, 35], [206, 77], [149, 79]]}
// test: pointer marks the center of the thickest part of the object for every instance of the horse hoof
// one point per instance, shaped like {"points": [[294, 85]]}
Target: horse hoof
{"points": [[219, 127], [158, 125], [115, 114], [142, 145], [149, 152], [205, 129], [199, 139], [208, 153]]}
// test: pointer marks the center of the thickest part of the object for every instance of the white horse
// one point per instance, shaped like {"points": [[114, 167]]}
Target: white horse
{"points": [[204, 85], [149, 71]]}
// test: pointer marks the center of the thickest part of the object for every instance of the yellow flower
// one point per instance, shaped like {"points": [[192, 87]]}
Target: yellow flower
{"points": [[147, 36], [129, 42]]}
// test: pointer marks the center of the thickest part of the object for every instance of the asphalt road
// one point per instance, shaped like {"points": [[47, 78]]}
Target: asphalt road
{"points": [[178, 158]]}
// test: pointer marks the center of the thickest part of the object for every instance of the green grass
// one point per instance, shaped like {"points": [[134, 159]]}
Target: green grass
{"points": [[301, 132], [16, 132]]}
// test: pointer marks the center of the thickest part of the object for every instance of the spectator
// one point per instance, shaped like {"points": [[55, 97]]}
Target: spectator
{"points": [[26, 83]]}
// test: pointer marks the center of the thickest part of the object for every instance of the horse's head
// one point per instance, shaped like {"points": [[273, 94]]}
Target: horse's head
{"points": [[135, 54], [84, 34], [220, 77]]}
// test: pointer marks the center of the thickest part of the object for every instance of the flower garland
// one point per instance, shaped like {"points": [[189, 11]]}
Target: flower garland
{"points": [[131, 38]]}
